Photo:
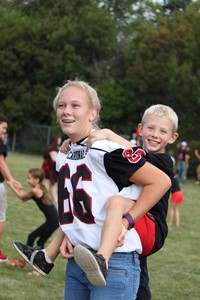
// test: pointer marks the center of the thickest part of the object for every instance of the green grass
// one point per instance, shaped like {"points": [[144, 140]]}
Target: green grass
{"points": [[174, 270]]}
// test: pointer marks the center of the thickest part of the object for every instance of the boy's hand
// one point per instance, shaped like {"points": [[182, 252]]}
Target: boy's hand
{"points": [[97, 135], [121, 237], [64, 148]]}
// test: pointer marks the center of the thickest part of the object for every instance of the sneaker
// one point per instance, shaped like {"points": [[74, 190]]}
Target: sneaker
{"points": [[94, 265], [35, 257], [3, 258]]}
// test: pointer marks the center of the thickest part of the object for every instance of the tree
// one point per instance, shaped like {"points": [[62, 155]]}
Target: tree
{"points": [[42, 44], [135, 53], [166, 69], [176, 5]]}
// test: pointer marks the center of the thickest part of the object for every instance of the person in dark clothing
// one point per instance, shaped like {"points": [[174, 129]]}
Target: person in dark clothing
{"points": [[183, 161], [49, 167], [157, 129], [177, 198], [38, 193]]}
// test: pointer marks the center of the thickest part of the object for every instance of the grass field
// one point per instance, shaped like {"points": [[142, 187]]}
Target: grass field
{"points": [[174, 271]]}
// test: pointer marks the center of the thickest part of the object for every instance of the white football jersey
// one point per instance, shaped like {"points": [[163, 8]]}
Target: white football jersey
{"points": [[87, 179]]}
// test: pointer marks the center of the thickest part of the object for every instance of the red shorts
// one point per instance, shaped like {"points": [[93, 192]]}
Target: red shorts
{"points": [[146, 229], [177, 197]]}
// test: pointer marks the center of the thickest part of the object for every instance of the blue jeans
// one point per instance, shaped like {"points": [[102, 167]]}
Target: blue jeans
{"points": [[182, 170], [122, 280]]}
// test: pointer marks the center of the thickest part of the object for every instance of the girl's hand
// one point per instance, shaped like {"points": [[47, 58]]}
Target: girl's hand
{"points": [[66, 249], [64, 148]]}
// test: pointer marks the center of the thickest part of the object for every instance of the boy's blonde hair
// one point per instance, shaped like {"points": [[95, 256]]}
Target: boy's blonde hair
{"points": [[93, 98], [162, 111]]}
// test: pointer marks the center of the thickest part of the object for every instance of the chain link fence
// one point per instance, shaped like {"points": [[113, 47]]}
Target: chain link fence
{"points": [[32, 139]]}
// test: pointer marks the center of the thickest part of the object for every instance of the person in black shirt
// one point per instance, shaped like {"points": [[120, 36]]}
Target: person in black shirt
{"points": [[39, 194], [158, 128]]}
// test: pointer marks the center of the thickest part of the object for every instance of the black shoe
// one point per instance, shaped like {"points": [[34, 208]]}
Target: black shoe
{"points": [[94, 265], [35, 257]]}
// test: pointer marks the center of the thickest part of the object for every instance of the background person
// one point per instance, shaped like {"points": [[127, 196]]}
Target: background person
{"points": [[39, 194], [177, 198], [5, 174], [135, 137], [49, 167], [183, 161], [197, 154]]}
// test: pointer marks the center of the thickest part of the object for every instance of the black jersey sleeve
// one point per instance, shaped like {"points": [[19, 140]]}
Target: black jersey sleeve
{"points": [[162, 161], [175, 185], [120, 164]]}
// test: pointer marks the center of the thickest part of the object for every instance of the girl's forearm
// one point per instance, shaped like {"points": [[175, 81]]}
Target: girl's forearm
{"points": [[156, 183]]}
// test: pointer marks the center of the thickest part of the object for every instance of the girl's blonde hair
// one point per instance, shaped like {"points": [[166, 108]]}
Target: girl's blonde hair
{"points": [[93, 98], [162, 111], [38, 174]]}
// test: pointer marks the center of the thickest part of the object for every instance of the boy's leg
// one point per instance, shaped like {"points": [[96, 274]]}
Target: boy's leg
{"points": [[53, 249], [117, 206], [34, 257], [95, 265], [41, 261], [122, 280]]}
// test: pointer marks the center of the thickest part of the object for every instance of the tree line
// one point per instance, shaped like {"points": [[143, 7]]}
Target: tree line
{"points": [[136, 53]]}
